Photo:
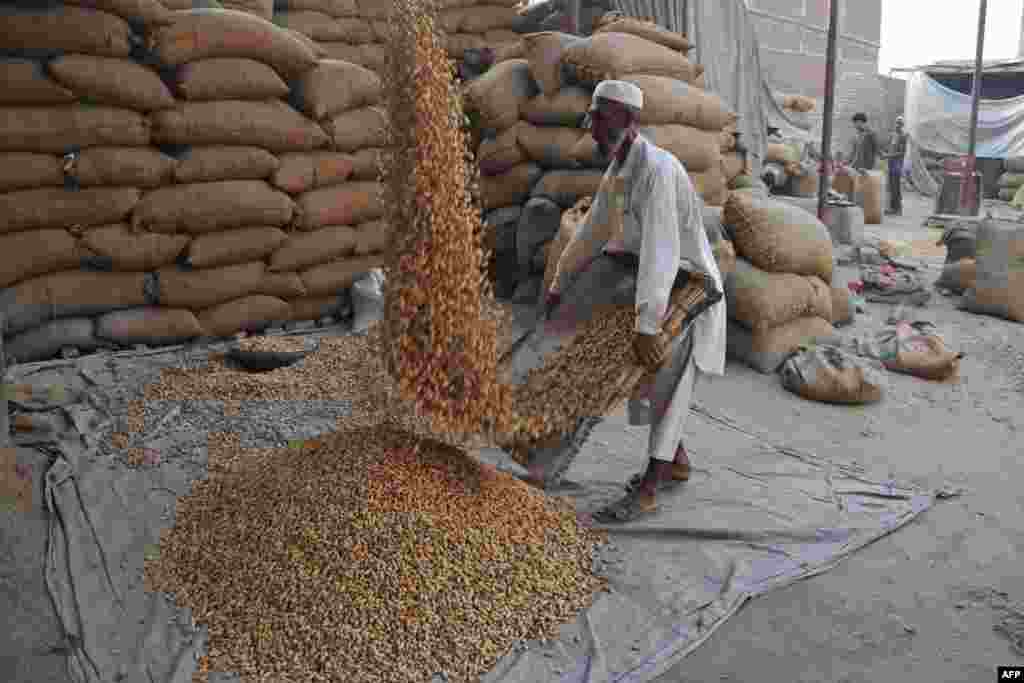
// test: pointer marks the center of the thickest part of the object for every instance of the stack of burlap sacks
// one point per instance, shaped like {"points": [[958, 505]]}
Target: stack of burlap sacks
{"points": [[224, 181], [790, 156], [535, 160], [357, 30]]}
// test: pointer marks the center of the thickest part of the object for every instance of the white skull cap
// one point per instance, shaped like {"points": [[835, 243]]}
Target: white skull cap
{"points": [[619, 91]]}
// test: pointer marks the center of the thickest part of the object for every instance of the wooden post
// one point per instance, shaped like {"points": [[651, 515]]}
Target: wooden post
{"points": [[825, 182], [967, 194]]}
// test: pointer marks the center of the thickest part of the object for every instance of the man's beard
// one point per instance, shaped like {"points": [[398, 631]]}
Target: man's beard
{"points": [[609, 148]]}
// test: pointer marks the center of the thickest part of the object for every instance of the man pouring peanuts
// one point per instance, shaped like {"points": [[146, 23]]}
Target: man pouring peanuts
{"points": [[642, 238]]}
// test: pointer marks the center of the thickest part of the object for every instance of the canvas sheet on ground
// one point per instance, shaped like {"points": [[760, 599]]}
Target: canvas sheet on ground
{"points": [[751, 519]]}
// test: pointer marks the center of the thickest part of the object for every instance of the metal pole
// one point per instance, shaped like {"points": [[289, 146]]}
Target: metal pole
{"points": [[826, 169], [968, 196]]}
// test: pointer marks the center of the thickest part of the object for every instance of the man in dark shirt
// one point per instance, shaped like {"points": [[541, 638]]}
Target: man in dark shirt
{"points": [[897, 150], [865, 146]]}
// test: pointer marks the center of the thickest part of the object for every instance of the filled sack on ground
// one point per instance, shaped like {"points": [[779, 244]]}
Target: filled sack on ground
{"points": [[145, 13], [373, 238], [613, 22], [24, 170], [543, 53], [569, 225], [233, 246], [565, 188], [358, 128], [315, 307], [336, 86], [199, 208], [53, 207], [843, 310], [111, 81], [550, 146], [366, 163], [612, 55], [331, 278], [767, 350], [302, 172], [143, 167], [499, 153], [698, 150], [499, 95], [272, 125], [224, 162], [58, 29], [958, 277], [762, 300], [306, 249], [725, 256], [566, 107], [911, 348], [36, 252], [710, 185], [668, 100], [59, 130], [150, 325], [204, 287], [282, 285], [999, 285], [828, 375], [322, 27], [511, 187], [538, 225], [871, 197], [229, 78], [47, 340], [247, 314], [27, 83], [132, 250], [346, 204]]}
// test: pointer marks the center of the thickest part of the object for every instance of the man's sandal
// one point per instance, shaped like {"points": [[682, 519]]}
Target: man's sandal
{"points": [[680, 475], [627, 509]]}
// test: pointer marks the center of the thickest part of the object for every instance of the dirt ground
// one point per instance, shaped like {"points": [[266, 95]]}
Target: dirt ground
{"points": [[935, 600]]}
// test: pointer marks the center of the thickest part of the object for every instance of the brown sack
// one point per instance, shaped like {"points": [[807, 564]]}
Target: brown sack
{"points": [[762, 300], [781, 153], [301, 172], [54, 207], [304, 250], [45, 342], [842, 307], [543, 51], [221, 162], [129, 250], [202, 288], [199, 208], [500, 93], [569, 226], [335, 8], [456, 44], [234, 246], [346, 204], [484, 18], [366, 164], [371, 55], [335, 86], [248, 314], [498, 154], [36, 252], [333, 277], [567, 107], [667, 100], [202, 34], [311, 45], [509, 188], [24, 170], [733, 165], [648, 30], [768, 349], [147, 13], [711, 186], [925, 356], [150, 325], [229, 78], [272, 125], [58, 130], [260, 8], [550, 146], [143, 167], [829, 375], [844, 183], [612, 55], [281, 285], [565, 188], [798, 103], [358, 129], [504, 51], [26, 83], [698, 150], [871, 188], [323, 27], [72, 293], [59, 29], [373, 238], [725, 257], [315, 307], [111, 81]]}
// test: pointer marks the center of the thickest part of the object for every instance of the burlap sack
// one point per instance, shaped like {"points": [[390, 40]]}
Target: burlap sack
{"points": [[571, 221], [373, 238], [767, 350], [229, 78], [222, 162], [199, 208], [27, 83], [331, 278], [504, 51], [781, 152], [57, 207], [366, 164], [58, 130], [732, 165], [130, 250], [828, 375], [798, 103], [371, 55], [112, 81], [565, 188], [806, 185], [47, 340], [711, 186], [499, 95], [698, 150], [613, 55], [322, 27], [959, 276], [36, 252], [260, 8], [358, 129], [302, 172], [335, 86], [479, 19], [281, 285], [146, 13], [587, 154], [925, 356], [667, 100], [202, 288], [150, 325], [543, 51], [334, 8], [778, 237], [725, 257], [24, 170], [498, 154], [307, 249], [346, 204], [550, 146], [648, 30], [143, 167], [57, 29], [511, 187], [315, 307], [845, 183], [234, 246], [762, 300], [311, 45], [202, 34], [999, 285], [272, 125], [567, 107], [871, 189], [247, 314], [843, 310]]}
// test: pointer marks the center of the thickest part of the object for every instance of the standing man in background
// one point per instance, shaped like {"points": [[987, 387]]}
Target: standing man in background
{"points": [[897, 150], [864, 154]]}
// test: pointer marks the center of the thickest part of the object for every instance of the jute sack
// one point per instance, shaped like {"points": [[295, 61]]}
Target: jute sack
{"points": [[260, 8], [499, 95], [322, 27], [143, 167], [616, 23], [234, 246], [199, 208], [1011, 180], [371, 55], [150, 325], [202, 34], [46, 341], [807, 185], [146, 13], [504, 51], [800, 103], [311, 45], [366, 163], [223, 162], [36, 252], [27, 83], [543, 51], [202, 288], [845, 183], [55, 30], [767, 350], [781, 152], [331, 278], [612, 55], [315, 307], [871, 187], [358, 129], [842, 307], [281, 285], [550, 146], [567, 107], [111, 81], [725, 257], [762, 300], [58, 130], [373, 238], [711, 186], [307, 249], [667, 100], [572, 219], [732, 165], [302, 172], [56, 207], [272, 125], [588, 155], [959, 276], [999, 286], [778, 237], [229, 78], [24, 170], [698, 150], [829, 375], [924, 355], [335, 8], [345, 204], [497, 154], [565, 188], [247, 314], [511, 187], [129, 250], [456, 44], [335, 86], [481, 18]]}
